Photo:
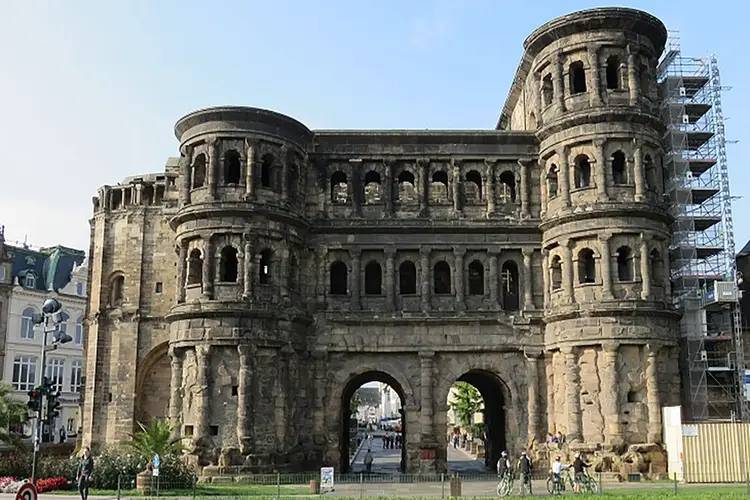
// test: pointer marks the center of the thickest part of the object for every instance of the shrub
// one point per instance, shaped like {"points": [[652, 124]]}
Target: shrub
{"points": [[54, 467], [16, 465], [52, 484]]}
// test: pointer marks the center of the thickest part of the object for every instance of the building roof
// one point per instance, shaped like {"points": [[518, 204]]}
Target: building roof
{"points": [[52, 267], [745, 250]]}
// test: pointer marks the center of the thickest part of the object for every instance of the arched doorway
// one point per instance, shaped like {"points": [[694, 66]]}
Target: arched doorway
{"points": [[372, 405], [476, 422]]}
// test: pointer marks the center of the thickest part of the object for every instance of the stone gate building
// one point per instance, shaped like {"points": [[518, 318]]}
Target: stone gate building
{"points": [[246, 291]]}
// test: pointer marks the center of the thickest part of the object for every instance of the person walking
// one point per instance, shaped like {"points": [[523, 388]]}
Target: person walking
{"points": [[368, 462], [84, 473]]}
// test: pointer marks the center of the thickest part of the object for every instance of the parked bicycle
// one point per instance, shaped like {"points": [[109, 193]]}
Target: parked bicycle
{"points": [[505, 486], [556, 484]]}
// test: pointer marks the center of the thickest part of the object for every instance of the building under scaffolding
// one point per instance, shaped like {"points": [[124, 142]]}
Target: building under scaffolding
{"points": [[702, 248]]}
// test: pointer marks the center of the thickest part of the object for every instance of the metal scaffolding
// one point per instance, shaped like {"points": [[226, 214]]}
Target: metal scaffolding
{"points": [[702, 247]]}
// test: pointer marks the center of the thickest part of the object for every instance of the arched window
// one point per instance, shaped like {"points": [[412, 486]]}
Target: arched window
{"points": [[556, 272], [645, 78], [582, 172], [473, 187], [78, 334], [373, 189], [293, 274], [266, 165], [407, 191], [586, 266], [439, 187], [64, 318], [199, 171], [338, 278], [116, 289], [195, 267], [507, 187], [441, 278], [510, 285], [265, 272], [577, 78], [228, 265], [29, 280], [624, 264], [339, 188], [619, 174], [547, 89], [650, 168], [373, 278], [552, 185], [407, 278], [613, 72], [532, 121], [293, 182], [657, 267], [27, 323], [232, 167], [476, 278]]}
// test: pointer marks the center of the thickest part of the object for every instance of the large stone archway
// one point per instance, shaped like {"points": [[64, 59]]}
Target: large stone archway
{"points": [[152, 386]]}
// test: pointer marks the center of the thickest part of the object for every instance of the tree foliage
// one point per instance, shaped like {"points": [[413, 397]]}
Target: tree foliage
{"points": [[12, 414], [156, 439], [355, 402], [466, 401]]}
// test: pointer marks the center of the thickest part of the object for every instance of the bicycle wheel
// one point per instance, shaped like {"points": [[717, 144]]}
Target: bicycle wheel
{"points": [[590, 486], [551, 486], [507, 488], [500, 489]]}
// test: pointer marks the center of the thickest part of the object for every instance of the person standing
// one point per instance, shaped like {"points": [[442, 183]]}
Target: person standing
{"points": [[84, 473], [368, 462]]}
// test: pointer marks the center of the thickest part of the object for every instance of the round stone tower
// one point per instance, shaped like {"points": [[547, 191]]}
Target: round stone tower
{"points": [[238, 329], [610, 329]]}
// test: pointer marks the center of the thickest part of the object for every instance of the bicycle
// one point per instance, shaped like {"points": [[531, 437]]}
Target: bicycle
{"points": [[524, 487], [588, 485], [505, 486], [556, 486]]}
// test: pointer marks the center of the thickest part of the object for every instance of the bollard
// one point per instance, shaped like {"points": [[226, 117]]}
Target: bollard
{"points": [[119, 480], [442, 485], [361, 485], [601, 492], [278, 485], [675, 483], [455, 486]]}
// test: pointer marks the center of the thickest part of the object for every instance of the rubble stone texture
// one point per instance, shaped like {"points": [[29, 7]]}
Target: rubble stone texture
{"points": [[271, 270]]}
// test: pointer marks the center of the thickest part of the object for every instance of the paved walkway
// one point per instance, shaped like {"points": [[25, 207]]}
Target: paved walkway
{"points": [[385, 461], [463, 463]]}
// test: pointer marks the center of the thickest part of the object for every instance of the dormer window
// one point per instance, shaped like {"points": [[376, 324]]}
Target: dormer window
{"points": [[29, 281], [79, 289]]}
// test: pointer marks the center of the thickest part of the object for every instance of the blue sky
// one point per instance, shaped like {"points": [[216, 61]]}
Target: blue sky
{"points": [[90, 90]]}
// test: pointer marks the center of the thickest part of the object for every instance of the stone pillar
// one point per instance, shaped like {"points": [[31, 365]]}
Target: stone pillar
{"points": [[645, 268], [250, 170], [595, 88], [545, 277], [424, 264], [606, 258], [638, 174], [528, 292], [551, 421], [600, 170], [423, 177], [213, 153], [667, 281], [456, 185], [202, 403], [208, 268], [245, 398], [609, 395], [247, 292], [524, 187], [564, 176], [493, 278], [284, 159], [175, 389], [355, 254], [558, 85], [186, 159], [652, 394], [323, 267], [284, 274], [357, 192], [425, 412], [543, 189], [567, 250], [388, 187], [572, 394], [319, 431], [390, 278], [533, 396], [458, 254], [182, 271], [633, 84], [490, 191]]}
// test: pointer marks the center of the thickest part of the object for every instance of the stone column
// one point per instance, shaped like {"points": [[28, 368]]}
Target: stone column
{"points": [[202, 403], [540, 98], [213, 153], [545, 277], [319, 431], [490, 191], [456, 185], [543, 189], [423, 176], [600, 170], [425, 412], [606, 265], [244, 398], [638, 175], [572, 394], [322, 255], [186, 159], [175, 389], [493, 278], [424, 264], [250, 170], [564, 176], [645, 269], [355, 254], [609, 395], [528, 295], [357, 192], [551, 408], [247, 292], [558, 85], [667, 281], [208, 268], [284, 274], [524, 187], [182, 271], [458, 254], [633, 84], [390, 278], [533, 395], [595, 89], [388, 187], [652, 394], [567, 250]]}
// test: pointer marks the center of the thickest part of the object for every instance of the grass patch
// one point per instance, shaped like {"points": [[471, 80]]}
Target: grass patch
{"points": [[203, 490]]}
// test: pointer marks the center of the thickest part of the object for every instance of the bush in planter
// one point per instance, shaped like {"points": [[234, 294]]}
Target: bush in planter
{"points": [[109, 465], [52, 484]]}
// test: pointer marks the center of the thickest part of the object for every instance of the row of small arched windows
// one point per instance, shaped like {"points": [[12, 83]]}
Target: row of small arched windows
{"points": [[229, 266], [231, 168], [582, 172], [625, 266]]}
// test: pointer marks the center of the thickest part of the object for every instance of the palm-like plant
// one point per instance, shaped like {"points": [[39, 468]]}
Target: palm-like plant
{"points": [[156, 439], [12, 413]]}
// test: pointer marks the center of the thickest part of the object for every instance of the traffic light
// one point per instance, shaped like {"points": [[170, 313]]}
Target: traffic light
{"points": [[53, 406], [35, 400]]}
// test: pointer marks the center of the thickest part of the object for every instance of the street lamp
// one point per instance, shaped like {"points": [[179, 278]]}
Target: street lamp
{"points": [[50, 318]]}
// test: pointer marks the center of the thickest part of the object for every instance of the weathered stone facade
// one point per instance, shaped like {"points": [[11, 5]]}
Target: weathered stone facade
{"points": [[250, 289]]}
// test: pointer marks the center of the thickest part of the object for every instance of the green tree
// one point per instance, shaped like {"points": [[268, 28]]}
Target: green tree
{"points": [[466, 401], [354, 403], [156, 439], [12, 414]]}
